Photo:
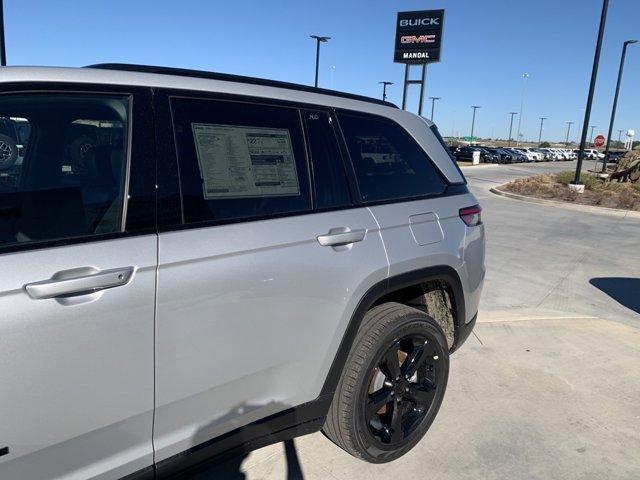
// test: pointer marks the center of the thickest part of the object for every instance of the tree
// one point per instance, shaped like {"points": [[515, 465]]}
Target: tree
{"points": [[544, 145]]}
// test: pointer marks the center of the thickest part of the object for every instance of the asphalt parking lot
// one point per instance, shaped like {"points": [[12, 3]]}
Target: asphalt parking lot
{"points": [[549, 385]]}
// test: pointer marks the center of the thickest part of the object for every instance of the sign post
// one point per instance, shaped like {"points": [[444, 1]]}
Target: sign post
{"points": [[418, 42]]}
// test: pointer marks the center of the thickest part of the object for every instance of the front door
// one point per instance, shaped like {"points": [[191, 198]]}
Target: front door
{"points": [[77, 288]]}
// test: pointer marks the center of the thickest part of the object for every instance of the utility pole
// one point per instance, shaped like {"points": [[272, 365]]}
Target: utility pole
{"points": [[524, 84], [511, 125], [615, 104], [542, 119], [319, 39], [620, 135], [566, 142], [433, 101], [592, 127], [384, 89], [592, 87], [473, 121], [3, 52]]}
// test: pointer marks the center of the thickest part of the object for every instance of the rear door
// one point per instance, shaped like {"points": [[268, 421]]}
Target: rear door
{"points": [[260, 271], [77, 285]]}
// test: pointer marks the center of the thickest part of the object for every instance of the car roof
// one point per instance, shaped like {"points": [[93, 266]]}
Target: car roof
{"points": [[208, 82]]}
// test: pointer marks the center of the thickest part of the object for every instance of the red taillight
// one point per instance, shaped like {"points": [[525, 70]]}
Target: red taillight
{"points": [[471, 215]]}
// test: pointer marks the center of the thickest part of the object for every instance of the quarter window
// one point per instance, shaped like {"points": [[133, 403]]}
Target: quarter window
{"points": [[62, 166], [388, 163], [239, 160]]}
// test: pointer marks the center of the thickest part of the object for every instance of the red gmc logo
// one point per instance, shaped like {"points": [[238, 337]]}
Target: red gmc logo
{"points": [[418, 39]]}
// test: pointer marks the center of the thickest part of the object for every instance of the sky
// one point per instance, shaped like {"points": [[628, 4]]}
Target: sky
{"points": [[487, 46]]}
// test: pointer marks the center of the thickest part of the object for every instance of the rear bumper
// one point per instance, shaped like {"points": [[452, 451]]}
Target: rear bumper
{"points": [[463, 333]]}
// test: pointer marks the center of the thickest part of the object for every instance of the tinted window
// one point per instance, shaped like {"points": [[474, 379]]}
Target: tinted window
{"points": [[330, 183], [239, 160], [62, 166], [387, 161]]}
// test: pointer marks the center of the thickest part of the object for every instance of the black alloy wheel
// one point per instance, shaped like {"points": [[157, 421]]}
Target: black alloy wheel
{"points": [[402, 388]]}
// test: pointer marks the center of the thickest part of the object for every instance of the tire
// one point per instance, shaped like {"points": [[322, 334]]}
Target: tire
{"points": [[367, 402], [8, 152]]}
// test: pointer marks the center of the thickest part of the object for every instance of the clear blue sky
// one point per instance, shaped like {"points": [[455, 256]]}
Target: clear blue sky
{"points": [[487, 46]]}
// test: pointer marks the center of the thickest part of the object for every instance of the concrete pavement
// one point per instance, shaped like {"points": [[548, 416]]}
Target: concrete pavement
{"points": [[549, 386]]}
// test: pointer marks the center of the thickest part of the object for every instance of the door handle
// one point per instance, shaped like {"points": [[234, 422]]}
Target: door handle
{"points": [[81, 281], [341, 236]]}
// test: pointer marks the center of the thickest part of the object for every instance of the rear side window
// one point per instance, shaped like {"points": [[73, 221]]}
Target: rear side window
{"points": [[388, 163], [239, 160], [329, 179], [62, 166]]}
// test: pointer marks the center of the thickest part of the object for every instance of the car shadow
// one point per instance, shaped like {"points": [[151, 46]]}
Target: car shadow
{"points": [[624, 290], [229, 466]]}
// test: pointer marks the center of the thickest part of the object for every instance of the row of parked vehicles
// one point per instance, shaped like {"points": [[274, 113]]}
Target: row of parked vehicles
{"points": [[489, 154]]}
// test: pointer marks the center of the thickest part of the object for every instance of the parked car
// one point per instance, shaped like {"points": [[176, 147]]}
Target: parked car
{"points": [[532, 154], [486, 156], [283, 283], [518, 156], [465, 154], [504, 156]]}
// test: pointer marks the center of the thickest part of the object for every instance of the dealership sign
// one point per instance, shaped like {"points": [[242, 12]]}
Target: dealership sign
{"points": [[419, 36]]}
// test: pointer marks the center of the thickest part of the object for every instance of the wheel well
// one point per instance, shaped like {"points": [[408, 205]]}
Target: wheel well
{"points": [[434, 297]]}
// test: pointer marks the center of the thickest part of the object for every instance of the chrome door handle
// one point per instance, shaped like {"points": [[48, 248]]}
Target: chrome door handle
{"points": [[341, 236], [79, 282]]}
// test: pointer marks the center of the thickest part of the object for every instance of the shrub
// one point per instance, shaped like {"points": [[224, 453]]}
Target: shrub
{"points": [[544, 145]]}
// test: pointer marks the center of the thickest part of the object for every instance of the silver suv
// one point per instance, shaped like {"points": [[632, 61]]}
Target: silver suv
{"points": [[196, 264]]}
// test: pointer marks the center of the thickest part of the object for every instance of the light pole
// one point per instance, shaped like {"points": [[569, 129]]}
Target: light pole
{"points": [[3, 53], [384, 88], [592, 87], [542, 119], [473, 121], [620, 135], [319, 39], [592, 127], [511, 126], [566, 142], [615, 104], [433, 101], [524, 84]]}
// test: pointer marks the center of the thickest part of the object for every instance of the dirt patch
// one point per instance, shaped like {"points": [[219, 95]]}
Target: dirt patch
{"points": [[554, 187]]}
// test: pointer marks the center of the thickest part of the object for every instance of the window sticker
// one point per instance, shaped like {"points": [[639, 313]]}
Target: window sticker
{"points": [[245, 162]]}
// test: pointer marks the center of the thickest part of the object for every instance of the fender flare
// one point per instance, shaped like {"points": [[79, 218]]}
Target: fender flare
{"points": [[389, 285]]}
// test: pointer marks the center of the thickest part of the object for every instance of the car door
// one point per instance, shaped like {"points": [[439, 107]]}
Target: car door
{"points": [[78, 257], [258, 280]]}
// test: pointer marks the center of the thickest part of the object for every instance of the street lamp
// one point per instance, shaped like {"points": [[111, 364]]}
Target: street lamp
{"points": [[511, 125], [319, 40], [566, 142], [620, 135], [524, 84], [384, 89], [542, 119], [615, 103], [592, 87], [592, 127], [473, 121], [3, 53], [433, 101]]}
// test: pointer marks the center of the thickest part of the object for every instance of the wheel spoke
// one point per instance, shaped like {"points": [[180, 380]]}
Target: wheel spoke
{"points": [[397, 433], [413, 361], [421, 396], [390, 364], [377, 400]]}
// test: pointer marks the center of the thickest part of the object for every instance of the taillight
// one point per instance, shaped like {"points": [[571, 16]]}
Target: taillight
{"points": [[471, 215]]}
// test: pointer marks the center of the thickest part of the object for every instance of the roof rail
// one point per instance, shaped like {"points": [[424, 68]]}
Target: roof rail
{"points": [[226, 77]]}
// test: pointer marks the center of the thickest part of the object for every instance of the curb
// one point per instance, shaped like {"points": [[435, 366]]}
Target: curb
{"points": [[480, 165], [612, 212]]}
